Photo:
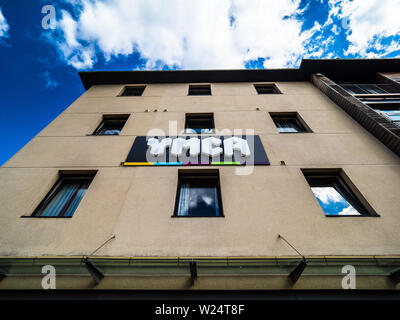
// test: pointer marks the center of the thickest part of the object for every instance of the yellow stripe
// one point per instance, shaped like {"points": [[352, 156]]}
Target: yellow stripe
{"points": [[138, 163]]}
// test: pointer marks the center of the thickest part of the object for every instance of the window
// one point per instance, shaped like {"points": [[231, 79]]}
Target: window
{"points": [[198, 194], [111, 125], [389, 106], [335, 195], [371, 101], [289, 122], [200, 90], [391, 111], [266, 89], [380, 88], [393, 115], [199, 123], [65, 196], [133, 91]]}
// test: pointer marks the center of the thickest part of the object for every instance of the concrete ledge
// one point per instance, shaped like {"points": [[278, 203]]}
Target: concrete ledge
{"points": [[213, 273]]}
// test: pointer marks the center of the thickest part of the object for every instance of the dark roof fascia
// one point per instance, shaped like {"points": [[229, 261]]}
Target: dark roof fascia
{"points": [[335, 68], [349, 69]]}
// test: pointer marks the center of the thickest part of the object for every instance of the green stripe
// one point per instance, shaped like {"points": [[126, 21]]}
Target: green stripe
{"points": [[225, 163]]}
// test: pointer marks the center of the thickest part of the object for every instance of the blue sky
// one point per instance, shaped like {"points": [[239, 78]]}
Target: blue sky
{"points": [[39, 67]]}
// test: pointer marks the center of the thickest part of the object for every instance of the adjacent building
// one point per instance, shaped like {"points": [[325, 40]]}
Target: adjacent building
{"points": [[141, 183]]}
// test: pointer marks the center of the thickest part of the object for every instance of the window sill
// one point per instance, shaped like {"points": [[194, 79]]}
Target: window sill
{"points": [[46, 217], [352, 216], [198, 134], [103, 135], [198, 216], [295, 132]]}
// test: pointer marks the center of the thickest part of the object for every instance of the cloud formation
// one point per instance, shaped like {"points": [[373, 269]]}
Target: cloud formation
{"points": [[368, 24], [332, 201], [49, 82], [4, 27], [208, 34]]}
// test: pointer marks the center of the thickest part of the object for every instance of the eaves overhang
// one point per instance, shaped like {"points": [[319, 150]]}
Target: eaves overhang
{"points": [[337, 68]]}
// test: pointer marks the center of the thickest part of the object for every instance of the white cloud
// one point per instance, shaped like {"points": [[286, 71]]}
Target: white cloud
{"points": [[49, 81], [335, 30], [327, 195], [368, 22], [349, 211], [4, 27], [187, 34], [207, 34]]}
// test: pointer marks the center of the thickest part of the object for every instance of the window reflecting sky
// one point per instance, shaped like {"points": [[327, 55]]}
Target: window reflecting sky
{"points": [[332, 202], [205, 130], [110, 132]]}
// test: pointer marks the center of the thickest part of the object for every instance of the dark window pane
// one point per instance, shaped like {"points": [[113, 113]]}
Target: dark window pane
{"points": [[199, 123], [198, 200], [111, 125], [286, 124], [361, 88], [64, 198], [353, 89], [198, 196], [389, 88], [372, 89], [266, 89], [199, 90], [380, 100], [133, 91]]}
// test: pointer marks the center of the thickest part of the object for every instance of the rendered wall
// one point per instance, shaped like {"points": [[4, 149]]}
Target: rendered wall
{"points": [[136, 203]]}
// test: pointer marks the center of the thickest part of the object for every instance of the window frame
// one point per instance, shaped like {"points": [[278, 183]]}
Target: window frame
{"points": [[191, 116], [206, 175], [110, 117], [349, 191], [126, 88], [294, 115], [199, 86], [260, 86], [369, 88], [79, 176], [382, 104]]}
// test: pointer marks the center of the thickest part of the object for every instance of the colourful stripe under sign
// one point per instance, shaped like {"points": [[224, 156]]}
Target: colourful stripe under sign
{"points": [[236, 163]]}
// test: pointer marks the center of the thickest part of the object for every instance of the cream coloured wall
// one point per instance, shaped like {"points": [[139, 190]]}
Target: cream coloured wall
{"points": [[136, 203]]}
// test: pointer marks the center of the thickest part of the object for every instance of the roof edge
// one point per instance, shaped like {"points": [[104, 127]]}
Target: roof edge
{"points": [[339, 67]]}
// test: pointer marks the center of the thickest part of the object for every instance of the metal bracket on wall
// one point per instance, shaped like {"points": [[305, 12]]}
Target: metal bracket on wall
{"points": [[298, 270], [95, 272], [296, 273], [395, 276], [193, 271]]}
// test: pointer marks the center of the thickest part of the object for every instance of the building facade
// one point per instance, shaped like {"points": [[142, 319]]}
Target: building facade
{"points": [[325, 197]]}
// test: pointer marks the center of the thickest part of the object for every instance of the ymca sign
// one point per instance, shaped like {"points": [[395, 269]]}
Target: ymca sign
{"points": [[197, 150]]}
